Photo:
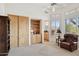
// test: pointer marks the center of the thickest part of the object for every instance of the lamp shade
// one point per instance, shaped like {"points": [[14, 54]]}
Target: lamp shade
{"points": [[59, 31]]}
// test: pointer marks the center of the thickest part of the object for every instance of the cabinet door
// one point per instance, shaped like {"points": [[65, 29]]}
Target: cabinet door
{"points": [[3, 34], [23, 31], [38, 37], [13, 31], [46, 36], [34, 39], [19, 31]]}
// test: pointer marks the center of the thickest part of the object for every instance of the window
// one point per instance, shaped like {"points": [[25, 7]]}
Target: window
{"points": [[72, 25], [55, 24], [46, 25]]}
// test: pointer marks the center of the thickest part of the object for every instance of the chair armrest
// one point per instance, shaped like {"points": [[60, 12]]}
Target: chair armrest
{"points": [[72, 43]]}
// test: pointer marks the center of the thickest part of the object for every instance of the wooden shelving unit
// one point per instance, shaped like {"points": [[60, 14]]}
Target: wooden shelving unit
{"points": [[36, 26], [36, 34]]}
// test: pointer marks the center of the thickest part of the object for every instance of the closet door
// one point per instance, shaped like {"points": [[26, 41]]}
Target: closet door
{"points": [[23, 31], [13, 31]]}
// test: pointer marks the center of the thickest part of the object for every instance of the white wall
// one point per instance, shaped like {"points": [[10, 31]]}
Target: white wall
{"points": [[28, 9], [60, 17], [2, 9]]}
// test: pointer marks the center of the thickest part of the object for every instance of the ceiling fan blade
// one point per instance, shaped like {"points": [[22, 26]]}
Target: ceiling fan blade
{"points": [[52, 4]]}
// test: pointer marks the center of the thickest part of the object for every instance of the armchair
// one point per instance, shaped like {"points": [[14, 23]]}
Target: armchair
{"points": [[69, 42]]}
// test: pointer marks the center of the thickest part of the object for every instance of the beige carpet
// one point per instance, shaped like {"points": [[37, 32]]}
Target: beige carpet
{"points": [[46, 49], [55, 50]]}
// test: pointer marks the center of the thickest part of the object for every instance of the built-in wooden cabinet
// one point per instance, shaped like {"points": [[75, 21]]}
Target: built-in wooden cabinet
{"points": [[46, 36], [4, 35], [35, 26], [23, 31], [19, 29], [36, 31], [13, 30]]}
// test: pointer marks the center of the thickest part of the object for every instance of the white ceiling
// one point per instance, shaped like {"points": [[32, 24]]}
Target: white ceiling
{"points": [[60, 7], [64, 7], [38, 9]]}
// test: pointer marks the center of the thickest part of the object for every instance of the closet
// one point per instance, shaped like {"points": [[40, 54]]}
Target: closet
{"points": [[19, 29], [36, 36], [4, 35]]}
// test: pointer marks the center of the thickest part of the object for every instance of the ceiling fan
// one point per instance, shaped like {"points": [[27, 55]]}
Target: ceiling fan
{"points": [[52, 4]]}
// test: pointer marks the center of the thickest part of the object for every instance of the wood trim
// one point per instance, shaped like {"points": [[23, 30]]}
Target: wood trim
{"points": [[18, 31]]}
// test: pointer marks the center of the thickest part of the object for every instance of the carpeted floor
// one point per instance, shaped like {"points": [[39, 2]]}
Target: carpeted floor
{"points": [[46, 49]]}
